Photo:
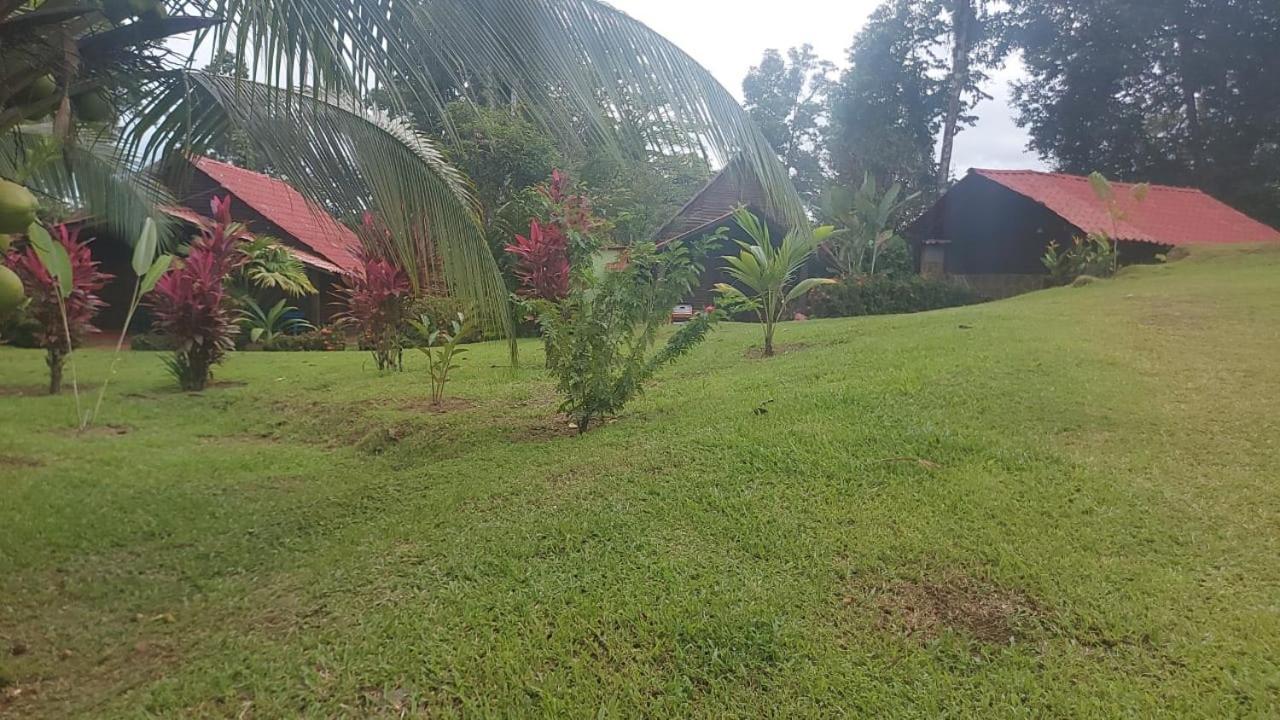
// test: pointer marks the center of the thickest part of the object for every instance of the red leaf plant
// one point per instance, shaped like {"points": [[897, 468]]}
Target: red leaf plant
{"points": [[42, 288], [542, 262], [191, 303], [376, 298]]}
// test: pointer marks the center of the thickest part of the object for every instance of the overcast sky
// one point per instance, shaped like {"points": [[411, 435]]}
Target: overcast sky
{"points": [[728, 37]]}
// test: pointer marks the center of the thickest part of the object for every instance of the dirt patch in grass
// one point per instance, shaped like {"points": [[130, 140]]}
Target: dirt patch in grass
{"points": [[545, 429], [103, 431], [19, 461], [757, 353], [924, 609], [445, 406]]}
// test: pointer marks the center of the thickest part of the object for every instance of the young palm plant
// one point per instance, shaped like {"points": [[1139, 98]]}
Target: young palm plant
{"points": [[769, 272], [264, 326]]}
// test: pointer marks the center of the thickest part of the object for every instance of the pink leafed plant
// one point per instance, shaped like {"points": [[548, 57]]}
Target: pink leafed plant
{"points": [[376, 297], [191, 303], [542, 262], [47, 308]]}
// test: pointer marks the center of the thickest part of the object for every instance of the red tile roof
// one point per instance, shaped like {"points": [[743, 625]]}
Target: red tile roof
{"points": [[1168, 215], [192, 217], [280, 203]]}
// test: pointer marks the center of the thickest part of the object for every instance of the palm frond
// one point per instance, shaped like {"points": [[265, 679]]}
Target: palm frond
{"points": [[352, 160], [577, 65], [91, 173]]}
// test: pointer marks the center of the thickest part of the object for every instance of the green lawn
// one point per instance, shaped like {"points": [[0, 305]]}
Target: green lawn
{"points": [[1062, 505]]}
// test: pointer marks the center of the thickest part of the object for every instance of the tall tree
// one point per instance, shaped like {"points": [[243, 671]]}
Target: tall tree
{"points": [[887, 109], [788, 100], [1172, 91], [973, 50]]}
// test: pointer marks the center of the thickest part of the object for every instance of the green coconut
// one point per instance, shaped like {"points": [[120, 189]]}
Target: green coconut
{"points": [[11, 292], [42, 88], [93, 107], [17, 207], [6, 242]]}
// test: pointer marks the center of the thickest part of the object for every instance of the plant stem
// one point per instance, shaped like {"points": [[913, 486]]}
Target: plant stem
{"points": [[75, 382], [115, 358]]}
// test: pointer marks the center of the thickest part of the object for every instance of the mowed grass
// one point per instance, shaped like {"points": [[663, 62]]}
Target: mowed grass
{"points": [[1062, 505]]}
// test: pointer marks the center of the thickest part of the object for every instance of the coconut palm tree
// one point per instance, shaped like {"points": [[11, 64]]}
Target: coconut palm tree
{"points": [[769, 272], [314, 64]]}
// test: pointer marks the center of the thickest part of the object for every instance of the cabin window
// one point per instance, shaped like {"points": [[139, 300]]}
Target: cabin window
{"points": [[933, 260]]}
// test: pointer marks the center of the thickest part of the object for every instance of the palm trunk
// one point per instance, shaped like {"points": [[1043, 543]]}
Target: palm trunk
{"points": [[55, 359], [1187, 87], [962, 16], [768, 340]]}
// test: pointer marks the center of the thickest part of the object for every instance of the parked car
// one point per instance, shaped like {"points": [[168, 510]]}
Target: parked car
{"points": [[682, 313]]}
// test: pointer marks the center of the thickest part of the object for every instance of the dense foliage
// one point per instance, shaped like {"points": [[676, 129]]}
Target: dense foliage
{"points": [[1182, 92], [59, 320], [787, 98], [192, 305], [325, 339], [883, 294]]}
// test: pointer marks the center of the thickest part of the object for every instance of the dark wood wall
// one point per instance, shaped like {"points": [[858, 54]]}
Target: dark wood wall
{"points": [[991, 229]]}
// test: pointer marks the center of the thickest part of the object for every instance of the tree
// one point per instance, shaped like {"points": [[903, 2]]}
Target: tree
{"points": [[887, 108], [788, 100], [1170, 91], [972, 50], [769, 272], [311, 66]]}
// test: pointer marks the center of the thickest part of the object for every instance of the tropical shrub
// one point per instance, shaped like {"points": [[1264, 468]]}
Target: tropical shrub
{"points": [[865, 221], [887, 295], [600, 336], [1093, 254], [266, 325], [542, 262], [441, 310], [376, 299], [192, 305], [60, 309], [269, 265], [769, 273], [440, 345], [325, 339]]}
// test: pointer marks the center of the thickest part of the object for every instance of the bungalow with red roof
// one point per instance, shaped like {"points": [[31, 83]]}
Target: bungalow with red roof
{"points": [[993, 226], [268, 206]]}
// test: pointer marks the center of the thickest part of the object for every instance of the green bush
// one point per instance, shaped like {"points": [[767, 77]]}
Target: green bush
{"points": [[887, 295], [152, 342], [19, 330], [325, 339]]}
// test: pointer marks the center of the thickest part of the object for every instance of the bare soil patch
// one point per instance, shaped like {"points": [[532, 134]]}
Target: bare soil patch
{"points": [[924, 609], [757, 353], [19, 461], [545, 429]]}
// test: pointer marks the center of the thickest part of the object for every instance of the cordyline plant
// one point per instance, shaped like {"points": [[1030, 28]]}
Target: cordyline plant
{"points": [[192, 305], [564, 238], [376, 298], [62, 280]]}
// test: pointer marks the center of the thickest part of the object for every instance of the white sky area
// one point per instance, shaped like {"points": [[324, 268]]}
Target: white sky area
{"points": [[729, 36]]}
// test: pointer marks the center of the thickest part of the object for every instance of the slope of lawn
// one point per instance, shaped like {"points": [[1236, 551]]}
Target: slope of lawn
{"points": [[1062, 505]]}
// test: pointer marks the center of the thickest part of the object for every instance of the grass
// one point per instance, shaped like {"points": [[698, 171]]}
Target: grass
{"points": [[1062, 505]]}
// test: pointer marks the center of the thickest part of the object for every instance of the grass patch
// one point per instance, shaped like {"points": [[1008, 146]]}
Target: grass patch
{"points": [[858, 527]]}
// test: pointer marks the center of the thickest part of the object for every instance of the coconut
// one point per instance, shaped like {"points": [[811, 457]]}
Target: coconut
{"points": [[11, 292], [41, 88], [6, 242], [93, 107], [17, 207]]}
